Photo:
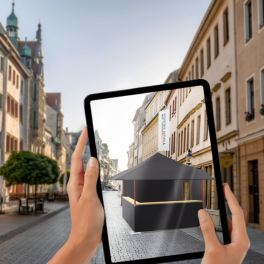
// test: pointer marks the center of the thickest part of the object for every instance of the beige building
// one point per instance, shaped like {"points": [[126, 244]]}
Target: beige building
{"points": [[250, 65], [150, 132], [211, 57], [23, 112]]}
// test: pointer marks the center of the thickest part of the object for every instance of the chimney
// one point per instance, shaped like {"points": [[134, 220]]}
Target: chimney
{"points": [[66, 129]]}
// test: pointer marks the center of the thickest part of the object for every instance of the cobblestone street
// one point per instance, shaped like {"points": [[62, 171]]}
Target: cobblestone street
{"points": [[40, 243]]}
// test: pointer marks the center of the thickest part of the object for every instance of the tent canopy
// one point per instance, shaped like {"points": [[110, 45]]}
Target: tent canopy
{"points": [[160, 167]]}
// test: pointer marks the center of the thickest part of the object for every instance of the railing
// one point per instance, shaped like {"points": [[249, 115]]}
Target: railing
{"points": [[59, 196]]}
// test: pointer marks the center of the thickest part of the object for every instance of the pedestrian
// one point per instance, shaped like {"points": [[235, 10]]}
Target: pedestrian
{"points": [[88, 217]]}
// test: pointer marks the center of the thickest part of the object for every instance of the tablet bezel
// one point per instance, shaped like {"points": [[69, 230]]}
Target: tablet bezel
{"points": [[215, 156]]}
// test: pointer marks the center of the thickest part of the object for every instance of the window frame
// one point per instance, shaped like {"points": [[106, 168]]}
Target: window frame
{"points": [[228, 108], [218, 113], [201, 63], [208, 48], [248, 25], [198, 128], [216, 40], [226, 26], [260, 13]]}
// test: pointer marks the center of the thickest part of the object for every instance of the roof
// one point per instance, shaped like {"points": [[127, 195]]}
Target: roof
{"points": [[160, 167], [12, 20], [173, 74], [53, 98], [34, 46]]}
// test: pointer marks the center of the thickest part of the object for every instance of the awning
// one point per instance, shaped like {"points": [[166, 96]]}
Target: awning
{"points": [[160, 167]]}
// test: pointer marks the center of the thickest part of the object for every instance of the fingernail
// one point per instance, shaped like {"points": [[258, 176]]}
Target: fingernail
{"points": [[92, 162], [202, 215]]}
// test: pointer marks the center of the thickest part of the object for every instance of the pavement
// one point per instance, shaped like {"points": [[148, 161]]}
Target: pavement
{"points": [[12, 223], [40, 243]]}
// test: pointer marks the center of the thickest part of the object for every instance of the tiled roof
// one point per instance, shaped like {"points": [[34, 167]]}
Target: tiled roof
{"points": [[51, 99]]}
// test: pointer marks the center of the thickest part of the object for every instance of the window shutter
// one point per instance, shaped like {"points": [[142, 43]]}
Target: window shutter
{"points": [[15, 140], [7, 143], [12, 144], [21, 88], [17, 81], [12, 106], [21, 113], [10, 73], [8, 104], [16, 109], [14, 77]]}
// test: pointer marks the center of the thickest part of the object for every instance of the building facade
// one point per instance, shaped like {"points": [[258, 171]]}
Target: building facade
{"points": [[250, 62], [211, 57], [23, 112]]}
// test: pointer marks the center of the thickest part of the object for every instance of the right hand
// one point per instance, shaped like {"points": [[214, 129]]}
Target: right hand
{"points": [[233, 253]]}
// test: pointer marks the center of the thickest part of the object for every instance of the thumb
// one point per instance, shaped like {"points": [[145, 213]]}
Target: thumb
{"points": [[91, 176], [208, 229]]}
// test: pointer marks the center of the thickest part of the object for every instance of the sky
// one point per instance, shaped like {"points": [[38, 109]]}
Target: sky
{"points": [[97, 46]]}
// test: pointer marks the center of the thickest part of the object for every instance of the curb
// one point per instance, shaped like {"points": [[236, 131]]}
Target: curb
{"points": [[23, 228]]}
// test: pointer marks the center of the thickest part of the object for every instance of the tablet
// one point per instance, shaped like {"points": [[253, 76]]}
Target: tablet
{"points": [[158, 166]]}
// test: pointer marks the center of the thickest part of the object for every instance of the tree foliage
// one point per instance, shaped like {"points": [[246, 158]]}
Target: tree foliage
{"points": [[27, 167], [61, 179]]}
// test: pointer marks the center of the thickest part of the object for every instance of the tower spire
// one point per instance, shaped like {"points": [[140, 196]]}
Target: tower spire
{"points": [[13, 5]]}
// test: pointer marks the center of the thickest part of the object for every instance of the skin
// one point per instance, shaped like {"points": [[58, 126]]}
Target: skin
{"points": [[88, 217]]}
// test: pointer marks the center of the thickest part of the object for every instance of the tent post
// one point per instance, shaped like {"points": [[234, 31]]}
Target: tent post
{"points": [[135, 203]]}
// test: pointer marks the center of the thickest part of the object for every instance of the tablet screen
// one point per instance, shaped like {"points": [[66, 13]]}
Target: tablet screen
{"points": [[156, 172]]}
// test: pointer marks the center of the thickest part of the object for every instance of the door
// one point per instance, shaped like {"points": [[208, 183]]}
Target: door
{"points": [[253, 192]]}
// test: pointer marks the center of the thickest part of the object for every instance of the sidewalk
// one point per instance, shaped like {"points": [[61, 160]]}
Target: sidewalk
{"points": [[12, 224]]}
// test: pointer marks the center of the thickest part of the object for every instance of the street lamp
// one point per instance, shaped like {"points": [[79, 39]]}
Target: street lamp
{"points": [[189, 157]]}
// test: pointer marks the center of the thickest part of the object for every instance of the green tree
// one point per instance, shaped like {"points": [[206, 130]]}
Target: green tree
{"points": [[29, 168], [61, 179]]}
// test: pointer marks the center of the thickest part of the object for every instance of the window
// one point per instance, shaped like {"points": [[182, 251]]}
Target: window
{"points": [[1, 97], [261, 12], [228, 106], [179, 144], [183, 94], [17, 83], [7, 143], [218, 114], [251, 95], [11, 144], [175, 103], [262, 86], [192, 133], [216, 41], [1, 64], [21, 114], [248, 21], [226, 27], [8, 104], [181, 141], [21, 87], [198, 130], [170, 112], [14, 77], [174, 142], [10, 73], [15, 144], [171, 148], [202, 62], [197, 68], [16, 109], [193, 72], [184, 142], [187, 143], [12, 106], [35, 120], [208, 53], [205, 125], [190, 75], [21, 144]]}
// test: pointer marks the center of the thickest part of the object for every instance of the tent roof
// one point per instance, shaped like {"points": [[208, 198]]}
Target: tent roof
{"points": [[159, 167]]}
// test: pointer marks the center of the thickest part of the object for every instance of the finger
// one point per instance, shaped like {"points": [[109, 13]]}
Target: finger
{"points": [[208, 229], [91, 177], [238, 227], [77, 170]]}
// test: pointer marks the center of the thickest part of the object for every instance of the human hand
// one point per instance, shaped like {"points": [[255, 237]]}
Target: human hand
{"points": [[86, 209], [234, 252]]}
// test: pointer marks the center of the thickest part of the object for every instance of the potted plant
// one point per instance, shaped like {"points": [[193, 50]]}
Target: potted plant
{"points": [[249, 116], [261, 111]]}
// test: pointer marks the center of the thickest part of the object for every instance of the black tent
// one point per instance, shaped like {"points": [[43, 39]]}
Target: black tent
{"points": [[153, 194]]}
